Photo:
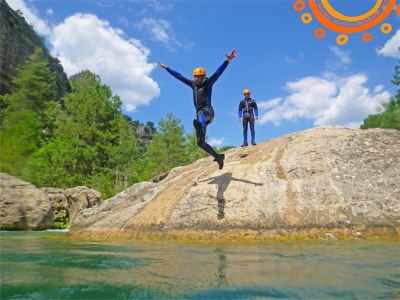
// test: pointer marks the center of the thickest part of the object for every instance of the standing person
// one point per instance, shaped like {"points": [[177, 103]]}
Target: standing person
{"points": [[202, 89], [248, 111]]}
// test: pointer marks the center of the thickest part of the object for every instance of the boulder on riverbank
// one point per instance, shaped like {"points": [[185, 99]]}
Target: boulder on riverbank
{"points": [[326, 182], [26, 207], [23, 206]]}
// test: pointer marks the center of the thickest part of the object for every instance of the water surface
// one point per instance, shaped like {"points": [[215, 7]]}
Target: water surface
{"points": [[48, 265]]}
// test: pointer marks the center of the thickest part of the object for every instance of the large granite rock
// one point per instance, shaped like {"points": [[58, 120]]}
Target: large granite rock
{"points": [[23, 206], [326, 182], [18, 41], [26, 207]]}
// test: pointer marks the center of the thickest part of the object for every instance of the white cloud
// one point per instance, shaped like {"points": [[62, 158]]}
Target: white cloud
{"points": [[341, 55], [83, 42], [124, 21], [378, 88], [215, 142], [161, 30], [341, 59], [264, 105], [391, 47], [49, 12], [158, 6], [331, 100], [31, 16], [289, 60]]}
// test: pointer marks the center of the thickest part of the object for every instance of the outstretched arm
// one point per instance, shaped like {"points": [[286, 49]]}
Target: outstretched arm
{"points": [[232, 55], [162, 65], [222, 68], [176, 74]]}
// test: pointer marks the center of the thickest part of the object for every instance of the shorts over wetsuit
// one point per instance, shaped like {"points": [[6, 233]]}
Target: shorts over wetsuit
{"points": [[247, 110], [202, 102]]}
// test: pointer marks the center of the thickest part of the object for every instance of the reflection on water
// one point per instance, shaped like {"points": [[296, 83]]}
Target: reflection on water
{"points": [[47, 265]]}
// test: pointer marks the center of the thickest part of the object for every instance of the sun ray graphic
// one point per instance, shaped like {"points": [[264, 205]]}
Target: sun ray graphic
{"points": [[333, 20]]}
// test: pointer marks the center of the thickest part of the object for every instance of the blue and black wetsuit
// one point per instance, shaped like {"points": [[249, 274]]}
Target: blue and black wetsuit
{"points": [[202, 102], [247, 110]]}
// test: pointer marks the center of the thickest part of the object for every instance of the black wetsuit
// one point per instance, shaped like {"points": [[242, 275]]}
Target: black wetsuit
{"points": [[202, 102], [247, 110]]}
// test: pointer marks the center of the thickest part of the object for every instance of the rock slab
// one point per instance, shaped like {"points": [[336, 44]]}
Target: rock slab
{"points": [[325, 182]]}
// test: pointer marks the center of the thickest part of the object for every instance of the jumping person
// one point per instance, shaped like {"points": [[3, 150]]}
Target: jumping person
{"points": [[202, 89], [247, 112]]}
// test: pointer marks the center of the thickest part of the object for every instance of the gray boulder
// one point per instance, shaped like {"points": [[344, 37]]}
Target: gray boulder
{"points": [[23, 206], [26, 207], [327, 182]]}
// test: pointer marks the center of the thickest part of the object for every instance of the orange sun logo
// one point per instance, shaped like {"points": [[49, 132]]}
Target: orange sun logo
{"points": [[335, 21]]}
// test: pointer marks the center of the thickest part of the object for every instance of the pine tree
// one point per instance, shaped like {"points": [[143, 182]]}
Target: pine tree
{"points": [[28, 114], [35, 86], [168, 149], [92, 143], [193, 151], [390, 116]]}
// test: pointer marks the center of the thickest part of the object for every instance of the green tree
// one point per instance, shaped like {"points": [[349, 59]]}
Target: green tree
{"points": [[224, 148], [35, 86], [390, 116], [193, 151], [168, 148], [28, 114], [20, 137], [123, 156], [92, 143]]}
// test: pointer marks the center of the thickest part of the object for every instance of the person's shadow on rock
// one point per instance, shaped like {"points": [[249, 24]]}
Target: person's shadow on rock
{"points": [[222, 182]]}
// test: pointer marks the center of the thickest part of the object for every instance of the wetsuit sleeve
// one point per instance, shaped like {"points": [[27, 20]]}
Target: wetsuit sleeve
{"points": [[240, 110], [178, 76], [255, 108], [218, 73]]}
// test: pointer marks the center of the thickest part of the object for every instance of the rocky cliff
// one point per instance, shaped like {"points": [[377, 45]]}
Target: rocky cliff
{"points": [[18, 41], [326, 182]]}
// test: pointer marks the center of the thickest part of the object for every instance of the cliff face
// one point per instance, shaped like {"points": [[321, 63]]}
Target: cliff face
{"points": [[327, 182], [18, 41]]}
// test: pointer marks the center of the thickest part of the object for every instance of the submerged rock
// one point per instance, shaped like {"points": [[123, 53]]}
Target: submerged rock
{"points": [[319, 183]]}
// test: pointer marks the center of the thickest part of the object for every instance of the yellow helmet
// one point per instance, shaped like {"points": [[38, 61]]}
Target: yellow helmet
{"points": [[199, 71], [246, 91]]}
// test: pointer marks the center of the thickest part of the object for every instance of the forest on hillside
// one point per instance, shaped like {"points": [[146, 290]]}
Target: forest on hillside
{"points": [[83, 138]]}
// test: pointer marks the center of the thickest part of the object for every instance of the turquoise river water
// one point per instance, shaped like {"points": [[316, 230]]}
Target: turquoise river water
{"points": [[49, 265]]}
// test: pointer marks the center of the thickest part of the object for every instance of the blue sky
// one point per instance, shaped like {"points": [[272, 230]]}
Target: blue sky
{"points": [[298, 81]]}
